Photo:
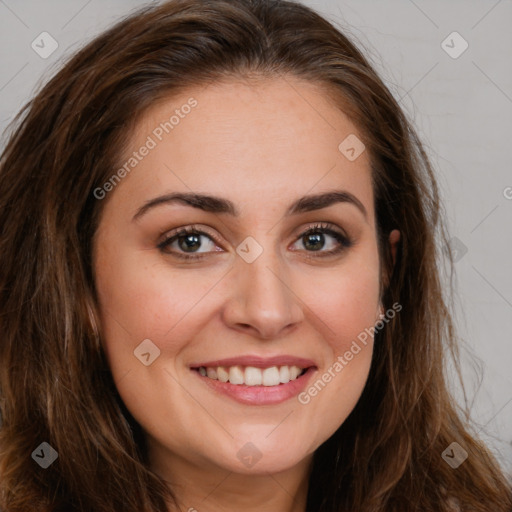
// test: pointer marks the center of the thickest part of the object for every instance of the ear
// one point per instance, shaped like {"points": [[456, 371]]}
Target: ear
{"points": [[380, 312], [394, 238]]}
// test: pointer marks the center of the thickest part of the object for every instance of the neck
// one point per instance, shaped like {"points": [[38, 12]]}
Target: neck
{"points": [[202, 487]]}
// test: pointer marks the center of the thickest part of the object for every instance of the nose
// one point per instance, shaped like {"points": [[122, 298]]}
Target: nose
{"points": [[262, 301]]}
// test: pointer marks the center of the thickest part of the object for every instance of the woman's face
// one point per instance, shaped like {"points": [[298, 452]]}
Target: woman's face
{"points": [[257, 297]]}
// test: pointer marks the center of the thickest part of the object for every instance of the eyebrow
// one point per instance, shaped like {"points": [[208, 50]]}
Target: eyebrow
{"points": [[215, 204]]}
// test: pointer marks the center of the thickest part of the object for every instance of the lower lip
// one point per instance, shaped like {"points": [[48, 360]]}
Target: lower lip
{"points": [[259, 395]]}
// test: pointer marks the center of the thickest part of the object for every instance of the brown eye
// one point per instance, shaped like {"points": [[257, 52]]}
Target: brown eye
{"points": [[189, 243], [321, 236], [188, 240], [314, 241]]}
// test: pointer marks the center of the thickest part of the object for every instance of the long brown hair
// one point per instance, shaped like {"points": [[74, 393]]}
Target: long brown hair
{"points": [[55, 384]]}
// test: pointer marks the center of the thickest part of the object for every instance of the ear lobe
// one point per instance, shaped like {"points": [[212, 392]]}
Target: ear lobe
{"points": [[393, 240], [380, 312]]}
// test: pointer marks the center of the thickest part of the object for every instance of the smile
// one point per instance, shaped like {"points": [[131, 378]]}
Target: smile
{"points": [[252, 376], [254, 380]]}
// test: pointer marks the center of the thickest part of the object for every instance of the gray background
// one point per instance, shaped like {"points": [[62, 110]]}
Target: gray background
{"points": [[462, 108]]}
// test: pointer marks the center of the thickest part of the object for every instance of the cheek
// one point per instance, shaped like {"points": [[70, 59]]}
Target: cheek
{"points": [[141, 299], [346, 304], [345, 299]]}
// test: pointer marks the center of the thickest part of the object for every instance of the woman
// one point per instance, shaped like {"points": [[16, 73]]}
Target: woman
{"points": [[219, 281]]}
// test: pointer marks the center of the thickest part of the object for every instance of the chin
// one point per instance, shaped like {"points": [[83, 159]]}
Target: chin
{"points": [[260, 454]]}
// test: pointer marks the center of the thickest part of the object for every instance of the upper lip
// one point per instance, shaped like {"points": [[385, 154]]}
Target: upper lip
{"points": [[258, 362]]}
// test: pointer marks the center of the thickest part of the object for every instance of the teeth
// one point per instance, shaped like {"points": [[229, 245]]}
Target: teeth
{"points": [[271, 376], [251, 376], [294, 372], [284, 374], [236, 375], [222, 374]]}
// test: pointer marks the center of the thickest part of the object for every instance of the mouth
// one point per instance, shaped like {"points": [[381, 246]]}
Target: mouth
{"points": [[251, 375], [254, 380]]}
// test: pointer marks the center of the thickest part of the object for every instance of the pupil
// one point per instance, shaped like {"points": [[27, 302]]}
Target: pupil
{"points": [[317, 241], [190, 241]]}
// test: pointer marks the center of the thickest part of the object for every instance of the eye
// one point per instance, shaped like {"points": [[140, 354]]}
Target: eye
{"points": [[189, 240], [323, 236]]}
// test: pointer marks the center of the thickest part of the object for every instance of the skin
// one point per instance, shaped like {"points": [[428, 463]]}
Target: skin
{"points": [[261, 145]]}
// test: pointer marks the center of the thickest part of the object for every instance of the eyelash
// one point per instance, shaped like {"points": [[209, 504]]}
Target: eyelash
{"points": [[320, 228]]}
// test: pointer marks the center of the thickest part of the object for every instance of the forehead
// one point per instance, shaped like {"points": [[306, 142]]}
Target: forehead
{"points": [[257, 142]]}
